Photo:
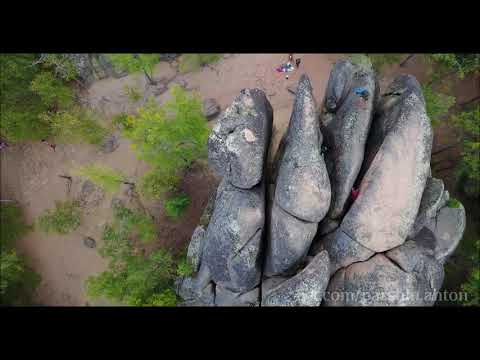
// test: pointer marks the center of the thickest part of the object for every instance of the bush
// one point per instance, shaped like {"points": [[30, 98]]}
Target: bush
{"points": [[132, 93], [17, 281], [75, 126], [462, 64], [184, 268], [52, 91], [165, 298], [134, 222], [472, 285], [379, 61], [176, 206], [453, 203], [64, 218], [120, 120], [103, 176], [12, 225], [468, 171], [157, 182], [193, 62], [437, 104], [135, 62]]}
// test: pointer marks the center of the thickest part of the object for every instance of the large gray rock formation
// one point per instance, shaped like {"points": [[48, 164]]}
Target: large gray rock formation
{"points": [[348, 111], [302, 193], [226, 247], [401, 277], [392, 188], [387, 247], [306, 288], [234, 237], [238, 144], [448, 228]]}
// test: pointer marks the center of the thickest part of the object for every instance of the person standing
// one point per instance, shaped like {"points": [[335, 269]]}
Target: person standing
{"points": [[297, 62]]}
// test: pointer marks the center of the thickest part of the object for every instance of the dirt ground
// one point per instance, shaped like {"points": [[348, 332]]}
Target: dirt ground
{"points": [[30, 172]]}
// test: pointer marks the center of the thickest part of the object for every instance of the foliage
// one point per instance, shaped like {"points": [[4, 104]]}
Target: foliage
{"points": [[135, 62], [468, 172], [193, 62], [132, 279], [60, 64], [64, 218], [165, 298], [157, 182], [134, 222], [184, 268], [175, 206], [472, 285], [17, 281], [120, 119], [453, 203], [75, 126], [12, 225], [103, 176], [461, 64], [20, 107], [52, 91], [437, 104], [169, 138], [132, 93], [379, 61]]}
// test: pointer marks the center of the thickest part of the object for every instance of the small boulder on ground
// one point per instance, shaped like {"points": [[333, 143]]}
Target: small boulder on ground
{"points": [[89, 242], [211, 108], [110, 144]]}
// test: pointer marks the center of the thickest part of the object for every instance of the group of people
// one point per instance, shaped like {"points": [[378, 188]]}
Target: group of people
{"points": [[289, 67]]}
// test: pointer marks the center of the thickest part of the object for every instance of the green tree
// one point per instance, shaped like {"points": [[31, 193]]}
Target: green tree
{"points": [[64, 218], [472, 285], [61, 64], [103, 176], [459, 64], [17, 281], [193, 62], [75, 125], [437, 104], [135, 222], [169, 137], [132, 278], [12, 224], [468, 171], [20, 107], [136, 62], [54, 94], [176, 205]]}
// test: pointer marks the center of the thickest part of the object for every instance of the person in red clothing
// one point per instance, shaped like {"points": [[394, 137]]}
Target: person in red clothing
{"points": [[355, 193]]}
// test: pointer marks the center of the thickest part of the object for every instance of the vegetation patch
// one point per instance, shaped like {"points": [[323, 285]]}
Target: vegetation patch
{"points": [[65, 218], [176, 205], [103, 176], [193, 62]]}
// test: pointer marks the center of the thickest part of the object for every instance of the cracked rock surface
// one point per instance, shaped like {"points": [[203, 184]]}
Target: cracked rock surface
{"points": [[297, 237]]}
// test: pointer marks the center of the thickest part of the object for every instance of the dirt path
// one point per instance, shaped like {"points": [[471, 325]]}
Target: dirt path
{"points": [[29, 172]]}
